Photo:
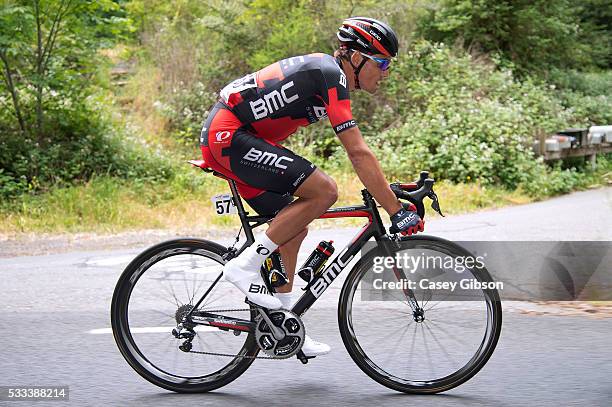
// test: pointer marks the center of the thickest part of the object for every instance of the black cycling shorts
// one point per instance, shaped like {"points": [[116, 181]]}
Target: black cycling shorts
{"points": [[267, 174]]}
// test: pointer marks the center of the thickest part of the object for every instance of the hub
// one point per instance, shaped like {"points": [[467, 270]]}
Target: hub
{"points": [[418, 315]]}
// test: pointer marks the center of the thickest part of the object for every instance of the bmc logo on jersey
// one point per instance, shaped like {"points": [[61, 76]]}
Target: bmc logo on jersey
{"points": [[272, 101], [266, 158], [346, 125]]}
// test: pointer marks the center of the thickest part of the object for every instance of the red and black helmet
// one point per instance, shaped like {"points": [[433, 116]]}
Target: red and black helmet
{"points": [[369, 36]]}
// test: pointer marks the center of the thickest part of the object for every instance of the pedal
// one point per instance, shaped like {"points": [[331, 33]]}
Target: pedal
{"points": [[303, 358]]}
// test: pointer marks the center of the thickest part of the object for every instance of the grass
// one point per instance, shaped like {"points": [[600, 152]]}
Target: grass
{"points": [[110, 205]]}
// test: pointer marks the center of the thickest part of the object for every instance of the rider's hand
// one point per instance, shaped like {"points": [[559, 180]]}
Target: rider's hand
{"points": [[406, 222]]}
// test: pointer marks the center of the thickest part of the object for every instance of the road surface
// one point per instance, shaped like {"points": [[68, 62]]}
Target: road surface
{"points": [[51, 305]]}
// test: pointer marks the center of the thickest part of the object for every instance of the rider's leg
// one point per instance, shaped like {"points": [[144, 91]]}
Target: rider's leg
{"points": [[289, 253], [267, 166], [316, 194]]}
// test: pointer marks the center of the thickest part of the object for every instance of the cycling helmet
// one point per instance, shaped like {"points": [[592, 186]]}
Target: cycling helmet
{"points": [[369, 36]]}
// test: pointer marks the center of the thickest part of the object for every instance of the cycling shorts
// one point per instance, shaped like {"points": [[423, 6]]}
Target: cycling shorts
{"points": [[266, 173]]}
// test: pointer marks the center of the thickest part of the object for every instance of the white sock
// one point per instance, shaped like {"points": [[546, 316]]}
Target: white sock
{"points": [[254, 255], [286, 299]]}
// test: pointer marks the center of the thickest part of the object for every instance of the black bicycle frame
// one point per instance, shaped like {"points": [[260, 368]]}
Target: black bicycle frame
{"points": [[316, 287]]}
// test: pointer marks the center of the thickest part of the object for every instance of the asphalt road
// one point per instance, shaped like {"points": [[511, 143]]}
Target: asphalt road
{"points": [[50, 305]]}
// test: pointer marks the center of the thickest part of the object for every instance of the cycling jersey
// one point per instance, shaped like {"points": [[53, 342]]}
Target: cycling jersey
{"points": [[295, 92], [239, 138]]}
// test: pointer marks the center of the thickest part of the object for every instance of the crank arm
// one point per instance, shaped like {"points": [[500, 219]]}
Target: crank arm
{"points": [[277, 333]]}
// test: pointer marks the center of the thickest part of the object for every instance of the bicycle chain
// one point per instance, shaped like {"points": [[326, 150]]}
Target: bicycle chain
{"points": [[229, 354], [233, 356]]}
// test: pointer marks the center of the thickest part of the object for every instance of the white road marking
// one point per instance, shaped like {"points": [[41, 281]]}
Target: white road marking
{"points": [[110, 261]]}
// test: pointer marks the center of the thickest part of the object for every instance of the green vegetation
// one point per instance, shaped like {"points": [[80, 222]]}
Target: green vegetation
{"points": [[54, 120], [476, 82]]}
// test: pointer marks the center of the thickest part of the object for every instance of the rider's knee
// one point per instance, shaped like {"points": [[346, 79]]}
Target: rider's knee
{"points": [[329, 192]]}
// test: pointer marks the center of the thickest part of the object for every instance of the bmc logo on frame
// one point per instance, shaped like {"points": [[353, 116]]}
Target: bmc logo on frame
{"points": [[272, 102], [266, 158], [329, 275]]}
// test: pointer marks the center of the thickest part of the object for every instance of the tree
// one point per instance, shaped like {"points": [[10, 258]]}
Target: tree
{"points": [[47, 47], [532, 34], [49, 125]]}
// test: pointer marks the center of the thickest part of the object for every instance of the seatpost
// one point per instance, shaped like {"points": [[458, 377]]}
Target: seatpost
{"points": [[241, 212]]}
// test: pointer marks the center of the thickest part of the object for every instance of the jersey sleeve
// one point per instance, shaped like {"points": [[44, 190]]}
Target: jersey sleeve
{"points": [[335, 95]]}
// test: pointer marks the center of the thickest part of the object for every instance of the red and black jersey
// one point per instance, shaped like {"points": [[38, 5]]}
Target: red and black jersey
{"points": [[294, 92]]}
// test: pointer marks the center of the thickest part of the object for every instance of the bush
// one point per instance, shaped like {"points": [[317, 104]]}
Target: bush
{"points": [[466, 122], [186, 109], [587, 94], [79, 141]]}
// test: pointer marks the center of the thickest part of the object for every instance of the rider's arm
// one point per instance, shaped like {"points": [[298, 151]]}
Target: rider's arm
{"points": [[368, 169]]}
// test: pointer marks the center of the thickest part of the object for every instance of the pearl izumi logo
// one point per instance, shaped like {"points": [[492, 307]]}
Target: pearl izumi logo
{"points": [[222, 135], [262, 250], [346, 125], [266, 158], [272, 101]]}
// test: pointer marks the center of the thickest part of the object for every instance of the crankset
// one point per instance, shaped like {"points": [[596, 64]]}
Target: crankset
{"points": [[279, 333]]}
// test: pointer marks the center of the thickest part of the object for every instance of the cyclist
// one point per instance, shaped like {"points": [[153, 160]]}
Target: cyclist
{"points": [[240, 140]]}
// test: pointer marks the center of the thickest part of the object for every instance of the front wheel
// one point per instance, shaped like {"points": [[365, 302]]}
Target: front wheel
{"points": [[152, 296], [440, 346]]}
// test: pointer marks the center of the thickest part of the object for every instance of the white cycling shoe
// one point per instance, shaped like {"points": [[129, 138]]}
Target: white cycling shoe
{"points": [[314, 348], [251, 284]]}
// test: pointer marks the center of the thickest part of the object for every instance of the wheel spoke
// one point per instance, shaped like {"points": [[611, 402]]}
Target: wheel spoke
{"points": [[448, 334], [427, 355], [435, 338]]}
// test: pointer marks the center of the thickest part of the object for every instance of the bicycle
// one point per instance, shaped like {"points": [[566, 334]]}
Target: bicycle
{"points": [[231, 338]]}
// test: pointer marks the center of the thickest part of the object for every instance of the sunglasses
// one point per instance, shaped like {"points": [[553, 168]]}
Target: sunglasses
{"points": [[383, 63]]}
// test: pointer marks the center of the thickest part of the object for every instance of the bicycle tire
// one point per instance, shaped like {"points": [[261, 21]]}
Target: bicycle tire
{"points": [[125, 341], [370, 368]]}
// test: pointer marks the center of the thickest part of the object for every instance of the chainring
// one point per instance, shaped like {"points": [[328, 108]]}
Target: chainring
{"points": [[290, 324]]}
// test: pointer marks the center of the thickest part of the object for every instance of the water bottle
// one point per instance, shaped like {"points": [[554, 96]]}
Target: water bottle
{"points": [[274, 270], [315, 262]]}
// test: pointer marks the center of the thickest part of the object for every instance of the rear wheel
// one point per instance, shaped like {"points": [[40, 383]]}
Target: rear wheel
{"points": [[151, 297], [433, 350]]}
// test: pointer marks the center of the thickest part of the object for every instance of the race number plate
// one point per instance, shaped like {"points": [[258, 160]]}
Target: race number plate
{"points": [[224, 204]]}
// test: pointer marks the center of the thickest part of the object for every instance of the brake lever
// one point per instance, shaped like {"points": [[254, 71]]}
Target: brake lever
{"points": [[435, 204]]}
